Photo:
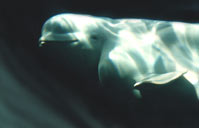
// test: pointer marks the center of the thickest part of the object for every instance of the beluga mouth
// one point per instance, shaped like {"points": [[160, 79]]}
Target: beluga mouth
{"points": [[54, 38], [55, 42]]}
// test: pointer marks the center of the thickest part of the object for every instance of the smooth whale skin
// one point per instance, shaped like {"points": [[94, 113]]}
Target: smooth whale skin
{"points": [[130, 51]]}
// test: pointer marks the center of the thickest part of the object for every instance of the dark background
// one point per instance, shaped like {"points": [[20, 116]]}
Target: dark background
{"points": [[37, 90]]}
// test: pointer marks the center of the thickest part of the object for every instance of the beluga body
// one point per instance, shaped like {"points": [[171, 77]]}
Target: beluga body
{"points": [[130, 52]]}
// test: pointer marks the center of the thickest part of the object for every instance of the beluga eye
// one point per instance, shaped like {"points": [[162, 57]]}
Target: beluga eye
{"points": [[94, 37]]}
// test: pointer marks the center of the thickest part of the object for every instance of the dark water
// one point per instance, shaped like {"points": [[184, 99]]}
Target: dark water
{"points": [[37, 90]]}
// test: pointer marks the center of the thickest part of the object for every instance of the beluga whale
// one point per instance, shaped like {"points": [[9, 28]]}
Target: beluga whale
{"points": [[130, 51]]}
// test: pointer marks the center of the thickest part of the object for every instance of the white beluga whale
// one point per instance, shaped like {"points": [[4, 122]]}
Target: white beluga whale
{"points": [[130, 51]]}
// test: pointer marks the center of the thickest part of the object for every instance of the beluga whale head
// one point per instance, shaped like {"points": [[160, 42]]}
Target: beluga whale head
{"points": [[83, 37], [73, 30]]}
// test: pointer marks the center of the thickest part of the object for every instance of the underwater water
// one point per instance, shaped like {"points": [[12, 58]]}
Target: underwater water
{"points": [[38, 87]]}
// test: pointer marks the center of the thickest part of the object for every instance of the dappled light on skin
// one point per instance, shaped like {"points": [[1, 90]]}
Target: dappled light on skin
{"points": [[122, 59], [140, 50], [192, 77]]}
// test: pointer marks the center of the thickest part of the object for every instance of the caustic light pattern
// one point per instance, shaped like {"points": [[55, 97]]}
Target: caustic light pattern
{"points": [[134, 50]]}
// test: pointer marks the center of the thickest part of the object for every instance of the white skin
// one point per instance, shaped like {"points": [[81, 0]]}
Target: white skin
{"points": [[129, 51], [85, 37]]}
